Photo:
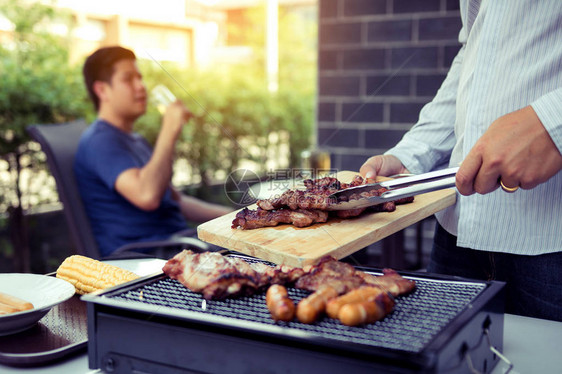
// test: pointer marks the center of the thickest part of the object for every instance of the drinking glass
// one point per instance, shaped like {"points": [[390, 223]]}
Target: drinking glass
{"points": [[162, 97], [316, 162]]}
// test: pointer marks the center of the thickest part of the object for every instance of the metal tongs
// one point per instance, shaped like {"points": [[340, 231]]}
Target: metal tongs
{"points": [[397, 189]]}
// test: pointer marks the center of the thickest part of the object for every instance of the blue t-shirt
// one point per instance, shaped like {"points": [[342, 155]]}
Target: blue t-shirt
{"points": [[103, 153]]}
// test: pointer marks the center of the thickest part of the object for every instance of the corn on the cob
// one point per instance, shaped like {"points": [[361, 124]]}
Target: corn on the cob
{"points": [[89, 275]]}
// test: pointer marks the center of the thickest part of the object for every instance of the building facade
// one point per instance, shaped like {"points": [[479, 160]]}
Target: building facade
{"points": [[379, 62]]}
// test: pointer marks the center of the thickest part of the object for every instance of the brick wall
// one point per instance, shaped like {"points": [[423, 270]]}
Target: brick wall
{"points": [[379, 62]]}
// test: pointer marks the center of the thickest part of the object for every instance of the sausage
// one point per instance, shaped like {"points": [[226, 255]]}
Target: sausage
{"points": [[279, 304], [310, 308], [12, 304], [363, 312], [360, 294], [7, 309]]}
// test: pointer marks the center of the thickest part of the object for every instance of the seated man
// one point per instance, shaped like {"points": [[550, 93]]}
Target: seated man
{"points": [[124, 183]]}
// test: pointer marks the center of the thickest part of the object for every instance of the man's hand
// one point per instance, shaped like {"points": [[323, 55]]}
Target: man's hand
{"points": [[517, 149], [384, 165], [175, 117]]}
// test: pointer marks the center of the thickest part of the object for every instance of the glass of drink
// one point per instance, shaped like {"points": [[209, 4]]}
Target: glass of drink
{"points": [[316, 161], [162, 97]]}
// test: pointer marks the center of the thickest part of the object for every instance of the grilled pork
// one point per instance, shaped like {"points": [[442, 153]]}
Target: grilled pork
{"points": [[315, 196], [252, 219], [219, 277], [330, 278], [344, 277], [303, 208], [390, 281]]}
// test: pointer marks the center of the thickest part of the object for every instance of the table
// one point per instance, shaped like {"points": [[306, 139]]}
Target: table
{"points": [[532, 345]]}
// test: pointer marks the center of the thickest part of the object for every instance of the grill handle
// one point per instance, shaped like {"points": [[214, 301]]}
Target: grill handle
{"points": [[494, 350]]}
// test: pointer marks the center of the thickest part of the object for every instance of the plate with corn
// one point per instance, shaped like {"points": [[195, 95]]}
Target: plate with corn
{"points": [[89, 275], [26, 298]]}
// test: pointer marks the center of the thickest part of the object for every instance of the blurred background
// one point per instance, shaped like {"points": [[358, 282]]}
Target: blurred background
{"points": [[266, 79]]}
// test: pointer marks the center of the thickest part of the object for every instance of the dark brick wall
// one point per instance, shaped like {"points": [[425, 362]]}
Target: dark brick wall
{"points": [[379, 62]]}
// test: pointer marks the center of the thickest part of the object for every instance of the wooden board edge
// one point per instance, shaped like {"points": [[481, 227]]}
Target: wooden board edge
{"points": [[391, 228], [283, 258], [254, 250]]}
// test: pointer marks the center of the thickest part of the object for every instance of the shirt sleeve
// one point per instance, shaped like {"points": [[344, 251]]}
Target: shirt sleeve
{"points": [[429, 143], [549, 110]]}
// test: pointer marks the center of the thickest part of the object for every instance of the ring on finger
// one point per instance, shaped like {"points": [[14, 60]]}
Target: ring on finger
{"points": [[508, 189]]}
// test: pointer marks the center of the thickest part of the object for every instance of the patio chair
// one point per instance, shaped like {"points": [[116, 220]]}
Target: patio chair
{"points": [[59, 143]]}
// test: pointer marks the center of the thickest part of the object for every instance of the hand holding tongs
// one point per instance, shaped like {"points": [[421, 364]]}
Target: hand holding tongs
{"points": [[397, 189]]}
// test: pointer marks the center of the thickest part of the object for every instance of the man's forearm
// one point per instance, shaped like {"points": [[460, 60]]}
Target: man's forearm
{"points": [[198, 210], [156, 175], [145, 186]]}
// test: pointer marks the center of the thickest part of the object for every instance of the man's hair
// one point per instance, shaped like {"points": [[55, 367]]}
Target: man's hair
{"points": [[99, 66]]}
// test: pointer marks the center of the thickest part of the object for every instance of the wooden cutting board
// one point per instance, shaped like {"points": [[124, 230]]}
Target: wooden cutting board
{"points": [[289, 245]]}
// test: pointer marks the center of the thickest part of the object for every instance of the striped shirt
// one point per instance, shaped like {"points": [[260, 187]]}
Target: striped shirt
{"points": [[511, 57]]}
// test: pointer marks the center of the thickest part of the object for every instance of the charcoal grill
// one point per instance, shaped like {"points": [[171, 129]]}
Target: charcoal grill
{"points": [[156, 325]]}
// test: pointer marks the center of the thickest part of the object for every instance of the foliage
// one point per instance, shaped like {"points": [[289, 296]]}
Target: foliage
{"points": [[237, 121], [234, 118], [297, 33], [234, 113], [38, 85]]}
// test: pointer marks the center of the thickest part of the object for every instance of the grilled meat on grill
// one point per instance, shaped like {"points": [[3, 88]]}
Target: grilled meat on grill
{"points": [[367, 293], [368, 311], [311, 307], [303, 208], [219, 277], [330, 272], [344, 278], [390, 281], [279, 304]]}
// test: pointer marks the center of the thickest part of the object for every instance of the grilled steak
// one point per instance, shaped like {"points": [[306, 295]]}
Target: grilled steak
{"points": [[303, 208], [315, 196], [252, 219], [219, 277], [297, 199], [344, 277]]}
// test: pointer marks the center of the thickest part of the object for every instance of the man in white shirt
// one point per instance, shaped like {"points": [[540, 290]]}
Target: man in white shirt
{"points": [[499, 115]]}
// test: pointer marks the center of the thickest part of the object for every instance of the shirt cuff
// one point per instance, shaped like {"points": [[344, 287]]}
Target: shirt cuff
{"points": [[407, 159], [549, 111]]}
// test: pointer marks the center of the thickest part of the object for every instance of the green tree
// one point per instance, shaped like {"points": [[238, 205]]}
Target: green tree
{"points": [[297, 68], [235, 114], [37, 86], [233, 105]]}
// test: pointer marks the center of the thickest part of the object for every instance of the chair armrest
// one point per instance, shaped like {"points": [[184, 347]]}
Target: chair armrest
{"points": [[134, 250]]}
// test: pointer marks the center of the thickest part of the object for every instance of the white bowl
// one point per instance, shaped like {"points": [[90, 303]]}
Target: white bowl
{"points": [[43, 291]]}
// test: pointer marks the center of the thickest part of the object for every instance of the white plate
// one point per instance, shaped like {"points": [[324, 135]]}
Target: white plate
{"points": [[139, 266], [43, 291]]}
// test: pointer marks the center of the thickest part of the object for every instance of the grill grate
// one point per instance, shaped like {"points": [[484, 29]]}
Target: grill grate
{"points": [[416, 318]]}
